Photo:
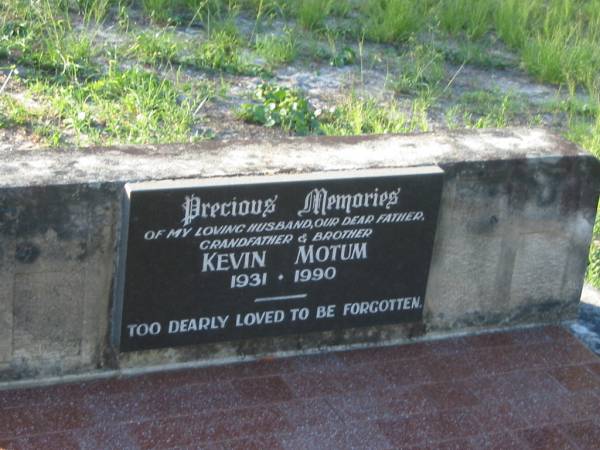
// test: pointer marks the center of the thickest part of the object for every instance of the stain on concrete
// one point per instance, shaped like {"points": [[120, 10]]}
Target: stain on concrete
{"points": [[26, 252]]}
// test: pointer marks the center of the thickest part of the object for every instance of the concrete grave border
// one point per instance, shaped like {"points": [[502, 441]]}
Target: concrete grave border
{"points": [[515, 225]]}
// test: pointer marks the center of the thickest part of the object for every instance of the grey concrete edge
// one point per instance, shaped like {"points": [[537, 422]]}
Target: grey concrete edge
{"points": [[130, 372]]}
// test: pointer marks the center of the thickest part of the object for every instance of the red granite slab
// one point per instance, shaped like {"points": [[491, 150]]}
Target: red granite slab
{"points": [[385, 354], [264, 442], [595, 368], [500, 441], [576, 378], [405, 372], [528, 389], [500, 416], [422, 429], [586, 435], [28, 420], [402, 401], [514, 385], [450, 395], [362, 435], [310, 413], [262, 390], [203, 428], [546, 438]]}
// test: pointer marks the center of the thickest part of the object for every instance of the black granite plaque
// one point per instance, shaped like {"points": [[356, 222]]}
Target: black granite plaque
{"points": [[217, 260]]}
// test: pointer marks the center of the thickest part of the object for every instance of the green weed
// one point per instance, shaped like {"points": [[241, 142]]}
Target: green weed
{"points": [[40, 36], [356, 116], [155, 48], [582, 130], [280, 107], [489, 109], [472, 17], [210, 12], [12, 113], [558, 40], [422, 70], [94, 10], [392, 20], [277, 49], [129, 106], [311, 13], [451, 117], [513, 20], [187, 12], [338, 57], [264, 9], [71, 58], [344, 57], [575, 108], [51, 134], [123, 19], [593, 270], [222, 52], [474, 54], [159, 11], [561, 57], [545, 57]]}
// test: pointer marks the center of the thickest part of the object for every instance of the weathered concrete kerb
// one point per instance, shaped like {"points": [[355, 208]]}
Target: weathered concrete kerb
{"points": [[511, 246]]}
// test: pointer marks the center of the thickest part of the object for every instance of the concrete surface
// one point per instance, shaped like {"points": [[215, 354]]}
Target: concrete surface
{"points": [[514, 229], [292, 155], [587, 326]]}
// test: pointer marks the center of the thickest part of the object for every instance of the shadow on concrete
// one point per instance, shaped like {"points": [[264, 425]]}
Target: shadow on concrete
{"points": [[587, 327]]}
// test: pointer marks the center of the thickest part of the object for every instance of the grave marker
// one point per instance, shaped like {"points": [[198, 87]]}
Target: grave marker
{"points": [[225, 259]]}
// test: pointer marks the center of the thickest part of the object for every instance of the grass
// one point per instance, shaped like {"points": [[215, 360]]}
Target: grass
{"points": [[12, 112], [423, 70], [160, 11], [357, 116], [557, 43], [475, 54], [392, 20], [155, 48], [279, 106], [222, 51], [513, 20], [40, 36], [277, 49], [465, 16], [556, 40], [94, 11], [337, 55], [311, 13], [345, 56], [121, 106], [489, 109]]}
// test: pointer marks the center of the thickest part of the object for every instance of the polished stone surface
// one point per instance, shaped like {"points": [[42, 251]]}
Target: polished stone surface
{"points": [[536, 388]]}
